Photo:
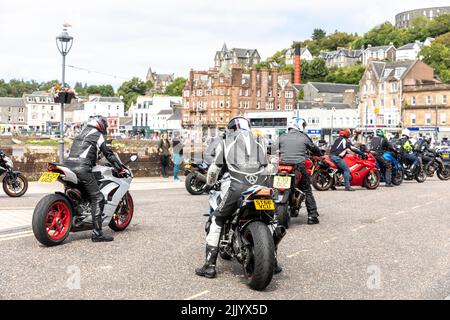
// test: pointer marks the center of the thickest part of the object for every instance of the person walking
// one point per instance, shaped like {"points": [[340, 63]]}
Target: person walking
{"points": [[177, 154], [164, 153]]}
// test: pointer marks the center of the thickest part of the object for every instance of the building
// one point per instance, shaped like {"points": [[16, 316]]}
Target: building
{"points": [[382, 91], [13, 115], [43, 114], [246, 58], [322, 118], [304, 55], [105, 106], [426, 109], [126, 125], [151, 115], [410, 51], [378, 53], [331, 92], [404, 19], [211, 98], [342, 57], [160, 81]]}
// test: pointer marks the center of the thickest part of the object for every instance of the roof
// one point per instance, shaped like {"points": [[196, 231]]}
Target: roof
{"points": [[106, 99], [324, 105], [298, 87], [333, 87], [393, 69], [176, 114], [349, 53], [164, 77], [165, 111], [126, 121], [12, 102], [379, 48], [410, 46], [72, 107], [242, 53]]}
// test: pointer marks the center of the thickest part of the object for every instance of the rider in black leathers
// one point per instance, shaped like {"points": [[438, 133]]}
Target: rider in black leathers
{"points": [[246, 163], [378, 145], [82, 158]]}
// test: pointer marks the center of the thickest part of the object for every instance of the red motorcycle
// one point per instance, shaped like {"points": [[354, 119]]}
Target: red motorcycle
{"points": [[288, 196], [363, 173]]}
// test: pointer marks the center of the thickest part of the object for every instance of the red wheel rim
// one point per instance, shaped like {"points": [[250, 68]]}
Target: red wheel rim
{"points": [[123, 217], [58, 220]]}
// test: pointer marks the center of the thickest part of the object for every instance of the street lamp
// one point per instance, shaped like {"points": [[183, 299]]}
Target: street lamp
{"points": [[64, 44]]}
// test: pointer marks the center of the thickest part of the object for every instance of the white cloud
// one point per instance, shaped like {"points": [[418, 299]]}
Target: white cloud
{"points": [[125, 37]]}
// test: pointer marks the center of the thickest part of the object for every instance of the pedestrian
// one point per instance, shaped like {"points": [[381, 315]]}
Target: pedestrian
{"points": [[177, 154], [164, 153]]}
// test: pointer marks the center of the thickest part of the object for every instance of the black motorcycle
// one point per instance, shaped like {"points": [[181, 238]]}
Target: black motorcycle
{"points": [[418, 173], [14, 183], [434, 163], [195, 173]]}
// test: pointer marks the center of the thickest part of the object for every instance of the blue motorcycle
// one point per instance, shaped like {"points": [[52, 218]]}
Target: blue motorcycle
{"points": [[397, 169]]}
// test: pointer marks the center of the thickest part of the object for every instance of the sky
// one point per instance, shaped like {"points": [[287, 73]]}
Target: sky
{"points": [[124, 38]]}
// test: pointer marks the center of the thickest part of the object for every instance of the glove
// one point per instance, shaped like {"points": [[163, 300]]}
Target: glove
{"points": [[364, 156], [122, 173]]}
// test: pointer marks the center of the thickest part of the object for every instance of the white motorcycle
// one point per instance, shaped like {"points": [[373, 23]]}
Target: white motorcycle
{"points": [[58, 214]]}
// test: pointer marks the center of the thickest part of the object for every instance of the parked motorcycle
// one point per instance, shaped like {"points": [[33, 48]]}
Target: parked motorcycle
{"points": [[397, 169], [434, 163], [58, 214], [196, 177], [418, 173], [15, 184], [363, 173], [251, 234]]}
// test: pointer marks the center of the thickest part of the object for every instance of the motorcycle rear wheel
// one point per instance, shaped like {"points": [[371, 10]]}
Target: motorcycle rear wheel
{"points": [[52, 220], [259, 269], [12, 190], [397, 177], [444, 174]]}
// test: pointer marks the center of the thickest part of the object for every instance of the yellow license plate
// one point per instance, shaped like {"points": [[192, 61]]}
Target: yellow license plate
{"points": [[187, 166], [445, 155], [281, 182], [264, 204], [49, 177]]}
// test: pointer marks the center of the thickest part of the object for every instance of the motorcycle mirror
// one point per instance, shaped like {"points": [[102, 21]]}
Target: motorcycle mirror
{"points": [[133, 158]]}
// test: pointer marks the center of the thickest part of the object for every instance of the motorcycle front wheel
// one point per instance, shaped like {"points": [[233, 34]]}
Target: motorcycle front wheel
{"points": [[397, 176], [15, 187], [193, 186], [372, 180], [421, 175], [321, 180], [52, 220], [260, 261], [444, 174], [123, 215]]}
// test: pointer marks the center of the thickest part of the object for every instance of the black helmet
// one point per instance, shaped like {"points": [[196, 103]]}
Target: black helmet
{"points": [[239, 123], [100, 123]]}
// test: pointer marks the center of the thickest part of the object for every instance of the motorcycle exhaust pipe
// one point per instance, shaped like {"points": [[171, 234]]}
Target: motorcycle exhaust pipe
{"points": [[200, 177], [278, 234]]}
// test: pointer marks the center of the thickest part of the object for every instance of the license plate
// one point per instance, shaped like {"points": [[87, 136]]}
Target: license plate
{"points": [[445, 156], [49, 177], [264, 204], [282, 182], [187, 166]]}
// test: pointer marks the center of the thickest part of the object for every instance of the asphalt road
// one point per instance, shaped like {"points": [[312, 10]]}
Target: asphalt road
{"points": [[383, 244]]}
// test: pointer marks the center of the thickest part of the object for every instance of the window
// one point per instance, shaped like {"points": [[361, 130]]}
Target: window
{"points": [[413, 118], [413, 100], [258, 93], [427, 118], [381, 102], [288, 106], [199, 93], [444, 99], [374, 102], [270, 94], [289, 94], [443, 117], [382, 87], [428, 100], [394, 87], [393, 103]]}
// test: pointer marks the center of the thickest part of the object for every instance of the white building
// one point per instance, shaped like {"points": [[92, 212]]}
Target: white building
{"points": [[44, 115], [305, 54], [411, 51], [320, 117], [105, 106]]}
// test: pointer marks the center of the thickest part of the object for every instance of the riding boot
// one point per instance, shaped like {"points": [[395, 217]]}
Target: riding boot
{"points": [[209, 268], [388, 178], [97, 233]]}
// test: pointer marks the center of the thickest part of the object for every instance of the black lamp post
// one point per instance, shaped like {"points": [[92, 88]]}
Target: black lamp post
{"points": [[64, 43]]}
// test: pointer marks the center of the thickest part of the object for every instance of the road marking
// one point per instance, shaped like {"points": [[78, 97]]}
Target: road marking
{"points": [[15, 208], [399, 212], [16, 237], [197, 295], [8, 235], [381, 219], [326, 241], [297, 253], [416, 207], [429, 202], [358, 228]]}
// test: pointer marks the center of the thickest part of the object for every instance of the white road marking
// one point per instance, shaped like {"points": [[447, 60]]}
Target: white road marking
{"points": [[429, 202], [326, 241], [197, 295], [8, 235], [297, 253], [358, 228], [381, 219], [399, 212], [16, 237], [416, 207]]}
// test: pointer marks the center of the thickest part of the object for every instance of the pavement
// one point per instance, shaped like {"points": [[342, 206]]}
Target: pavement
{"points": [[389, 243]]}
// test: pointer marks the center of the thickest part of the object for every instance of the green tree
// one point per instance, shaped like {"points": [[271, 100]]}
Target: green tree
{"points": [[131, 89], [278, 57], [176, 87], [351, 74], [443, 39], [314, 70], [103, 90], [318, 34], [45, 86], [437, 56]]}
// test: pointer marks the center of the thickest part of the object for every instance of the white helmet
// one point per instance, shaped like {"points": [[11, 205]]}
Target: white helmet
{"points": [[406, 132], [297, 124]]}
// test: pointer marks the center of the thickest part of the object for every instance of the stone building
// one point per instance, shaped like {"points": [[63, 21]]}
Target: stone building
{"points": [[342, 57], [378, 53], [13, 115], [44, 115], [160, 81], [331, 92], [211, 98], [246, 58], [404, 19]]}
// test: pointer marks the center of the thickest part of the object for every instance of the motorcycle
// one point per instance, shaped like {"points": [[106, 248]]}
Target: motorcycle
{"points": [[195, 173], [251, 234], [58, 214], [363, 173], [288, 196], [434, 163], [418, 174], [397, 169], [15, 184]]}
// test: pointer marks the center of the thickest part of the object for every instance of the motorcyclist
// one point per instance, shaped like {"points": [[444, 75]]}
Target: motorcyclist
{"points": [[338, 152], [82, 158], [378, 145], [407, 150], [293, 147], [246, 162]]}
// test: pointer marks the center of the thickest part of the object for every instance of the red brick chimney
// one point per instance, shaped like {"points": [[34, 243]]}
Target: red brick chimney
{"points": [[297, 65]]}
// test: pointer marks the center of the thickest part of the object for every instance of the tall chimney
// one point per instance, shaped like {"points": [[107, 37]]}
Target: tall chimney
{"points": [[297, 65]]}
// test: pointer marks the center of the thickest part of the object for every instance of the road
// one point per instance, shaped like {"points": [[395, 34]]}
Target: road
{"points": [[391, 243]]}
